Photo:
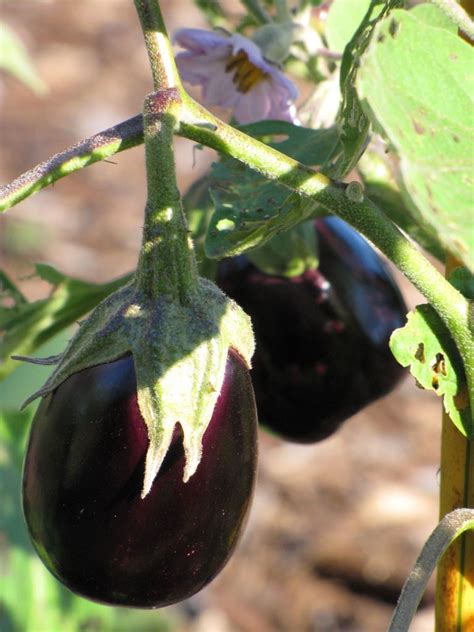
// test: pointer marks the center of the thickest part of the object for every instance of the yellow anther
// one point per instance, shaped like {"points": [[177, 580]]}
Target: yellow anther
{"points": [[246, 74]]}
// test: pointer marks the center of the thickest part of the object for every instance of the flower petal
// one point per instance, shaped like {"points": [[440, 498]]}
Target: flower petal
{"points": [[220, 90], [254, 105], [196, 70], [199, 40]]}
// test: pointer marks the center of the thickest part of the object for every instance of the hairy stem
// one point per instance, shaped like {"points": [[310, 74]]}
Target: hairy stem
{"points": [[450, 527], [163, 68], [167, 264], [86, 152]]}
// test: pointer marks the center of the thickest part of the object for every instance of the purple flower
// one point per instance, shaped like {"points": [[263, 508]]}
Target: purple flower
{"points": [[234, 75]]}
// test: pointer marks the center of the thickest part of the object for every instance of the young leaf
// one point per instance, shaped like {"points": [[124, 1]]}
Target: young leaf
{"points": [[24, 326], [426, 115], [425, 345], [15, 60], [249, 208]]}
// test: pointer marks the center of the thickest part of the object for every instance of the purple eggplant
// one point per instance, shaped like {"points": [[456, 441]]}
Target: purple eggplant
{"points": [[83, 476], [322, 337]]}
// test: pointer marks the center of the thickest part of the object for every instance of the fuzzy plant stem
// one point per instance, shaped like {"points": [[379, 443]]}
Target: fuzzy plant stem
{"points": [[166, 265], [451, 526], [163, 69]]}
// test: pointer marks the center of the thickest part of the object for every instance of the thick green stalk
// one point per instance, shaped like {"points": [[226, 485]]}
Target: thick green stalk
{"points": [[163, 68], [167, 264]]}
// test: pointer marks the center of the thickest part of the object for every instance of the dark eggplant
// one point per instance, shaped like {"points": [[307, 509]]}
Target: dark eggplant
{"points": [[83, 477], [322, 337]]}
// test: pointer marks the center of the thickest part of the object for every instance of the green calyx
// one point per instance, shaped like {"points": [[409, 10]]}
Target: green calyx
{"points": [[179, 352], [275, 40]]}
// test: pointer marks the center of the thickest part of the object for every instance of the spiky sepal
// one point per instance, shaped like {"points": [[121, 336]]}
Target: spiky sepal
{"points": [[179, 351]]}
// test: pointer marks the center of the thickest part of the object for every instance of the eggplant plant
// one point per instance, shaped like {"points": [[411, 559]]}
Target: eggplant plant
{"points": [[141, 461]]}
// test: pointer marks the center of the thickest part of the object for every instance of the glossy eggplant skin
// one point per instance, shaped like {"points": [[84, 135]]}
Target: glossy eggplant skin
{"points": [[322, 337], [83, 475]]}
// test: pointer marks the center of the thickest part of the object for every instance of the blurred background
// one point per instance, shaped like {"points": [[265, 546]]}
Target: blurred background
{"points": [[335, 527]]}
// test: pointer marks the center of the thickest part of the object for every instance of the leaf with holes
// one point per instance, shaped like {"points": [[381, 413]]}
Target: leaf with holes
{"points": [[427, 117], [425, 345], [251, 209]]}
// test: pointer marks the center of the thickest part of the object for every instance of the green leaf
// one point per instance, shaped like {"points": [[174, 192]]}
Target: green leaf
{"points": [[8, 287], [463, 280], [212, 11], [351, 120], [381, 188], [433, 16], [289, 254], [25, 326], [15, 60], [427, 117], [425, 345], [309, 146], [249, 208], [343, 20]]}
